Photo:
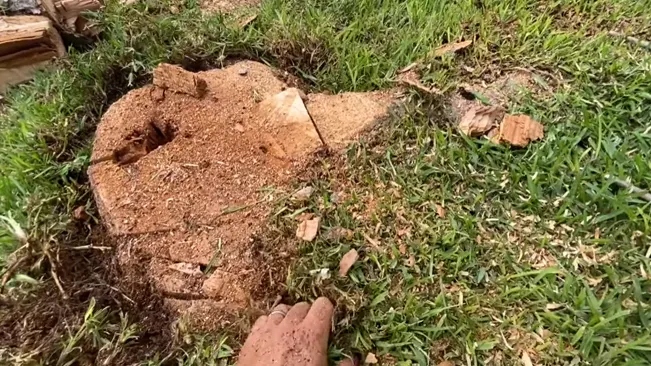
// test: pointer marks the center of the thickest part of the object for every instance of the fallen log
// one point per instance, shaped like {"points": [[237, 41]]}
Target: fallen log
{"points": [[27, 43]]}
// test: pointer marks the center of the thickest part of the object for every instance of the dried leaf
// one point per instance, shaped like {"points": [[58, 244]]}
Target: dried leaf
{"points": [[370, 358], [347, 262], [403, 249], [479, 120], [440, 211], [446, 363], [519, 130], [246, 21], [553, 306], [307, 229], [303, 194], [412, 79], [450, 48], [526, 360]]}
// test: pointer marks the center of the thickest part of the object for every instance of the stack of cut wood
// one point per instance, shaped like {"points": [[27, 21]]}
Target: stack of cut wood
{"points": [[27, 43], [67, 14]]}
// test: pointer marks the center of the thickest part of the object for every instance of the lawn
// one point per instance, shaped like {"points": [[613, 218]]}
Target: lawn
{"points": [[471, 252]]}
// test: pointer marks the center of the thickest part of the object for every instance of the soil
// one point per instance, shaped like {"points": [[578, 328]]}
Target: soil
{"points": [[185, 183]]}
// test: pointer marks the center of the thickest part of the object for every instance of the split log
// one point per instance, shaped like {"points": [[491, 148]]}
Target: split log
{"points": [[27, 43]]}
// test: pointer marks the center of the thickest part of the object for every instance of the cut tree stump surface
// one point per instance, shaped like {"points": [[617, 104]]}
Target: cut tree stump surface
{"points": [[203, 172]]}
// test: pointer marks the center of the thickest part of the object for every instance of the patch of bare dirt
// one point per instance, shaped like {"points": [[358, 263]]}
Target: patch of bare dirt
{"points": [[185, 173]]}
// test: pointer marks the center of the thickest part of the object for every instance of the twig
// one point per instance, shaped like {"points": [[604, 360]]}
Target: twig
{"points": [[53, 272], [84, 247], [8, 273], [633, 189], [640, 42], [315, 127]]}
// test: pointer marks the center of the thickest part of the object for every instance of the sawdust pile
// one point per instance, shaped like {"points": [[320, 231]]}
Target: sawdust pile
{"points": [[185, 171]]}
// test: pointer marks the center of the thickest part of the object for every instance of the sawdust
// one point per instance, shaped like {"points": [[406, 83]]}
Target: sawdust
{"points": [[207, 170]]}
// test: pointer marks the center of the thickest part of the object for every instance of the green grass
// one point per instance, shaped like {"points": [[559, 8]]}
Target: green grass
{"points": [[514, 265]]}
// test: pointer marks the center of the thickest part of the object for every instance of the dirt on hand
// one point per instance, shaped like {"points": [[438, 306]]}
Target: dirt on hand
{"points": [[185, 176]]}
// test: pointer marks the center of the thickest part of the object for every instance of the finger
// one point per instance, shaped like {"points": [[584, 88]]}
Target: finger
{"points": [[278, 314], [297, 313], [320, 316]]}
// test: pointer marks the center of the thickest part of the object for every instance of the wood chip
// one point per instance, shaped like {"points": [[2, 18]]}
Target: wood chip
{"points": [[370, 358], [303, 194], [526, 360], [178, 80], [440, 211], [308, 229], [450, 48], [80, 214], [347, 262], [479, 120], [519, 130]]}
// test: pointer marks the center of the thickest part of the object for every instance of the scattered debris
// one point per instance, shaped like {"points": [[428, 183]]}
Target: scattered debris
{"points": [[370, 358], [553, 306], [479, 120], [191, 269], [412, 79], [440, 211], [347, 262], [248, 20], [243, 72], [321, 274], [308, 229], [223, 284], [178, 80], [408, 68], [373, 242], [80, 213], [519, 130], [337, 233], [303, 194], [640, 42], [633, 189], [526, 360], [450, 48]]}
